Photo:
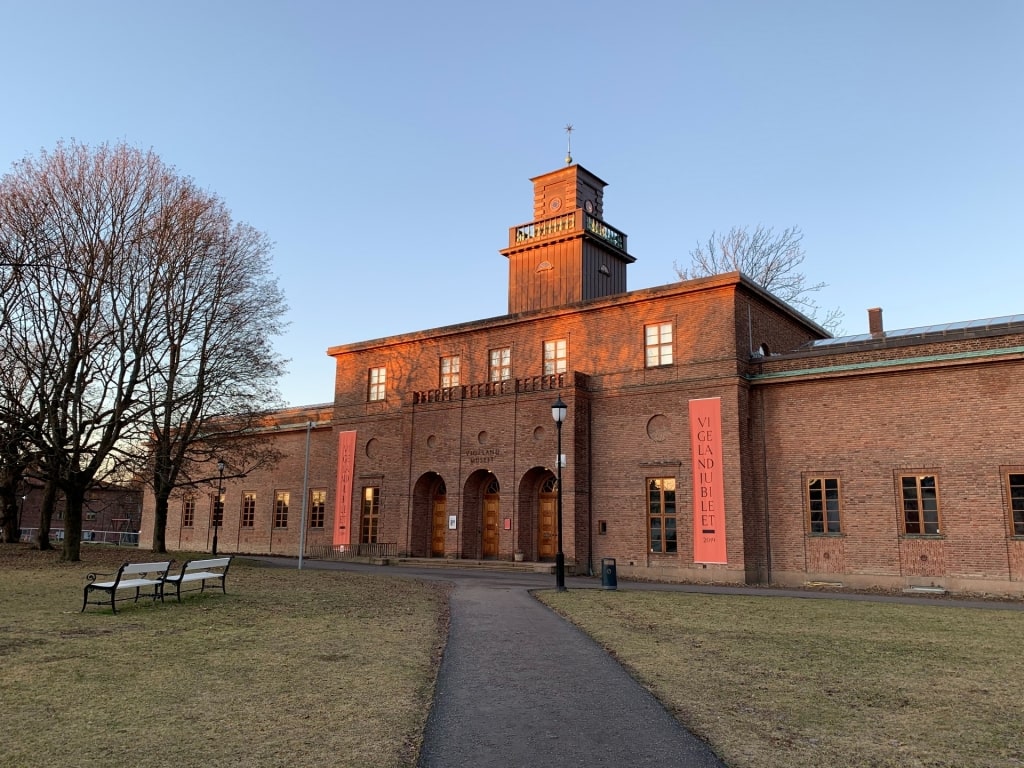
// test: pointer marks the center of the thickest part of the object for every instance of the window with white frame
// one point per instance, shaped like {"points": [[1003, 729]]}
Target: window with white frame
{"points": [[555, 356], [377, 384], [658, 345], [501, 364]]}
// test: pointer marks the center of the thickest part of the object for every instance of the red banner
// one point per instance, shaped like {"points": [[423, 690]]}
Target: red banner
{"points": [[343, 497], [708, 485]]}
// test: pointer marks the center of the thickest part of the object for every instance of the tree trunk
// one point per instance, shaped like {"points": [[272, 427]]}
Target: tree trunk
{"points": [[10, 479], [74, 502], [46, 515], [9, 533], [160, 522]]}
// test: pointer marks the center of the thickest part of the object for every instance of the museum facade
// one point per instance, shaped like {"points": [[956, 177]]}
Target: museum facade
{"points": [[712, 433]]}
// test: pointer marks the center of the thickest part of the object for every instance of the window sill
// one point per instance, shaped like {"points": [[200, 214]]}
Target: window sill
{"points": [[925, 536], [813, 535]]}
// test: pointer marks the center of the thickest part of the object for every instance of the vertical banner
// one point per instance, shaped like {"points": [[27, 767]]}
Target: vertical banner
{"points": [[343, 497], [708, 485]]}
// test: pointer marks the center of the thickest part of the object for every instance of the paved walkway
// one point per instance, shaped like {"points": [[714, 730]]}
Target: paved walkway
{"points": [[520, 687]]}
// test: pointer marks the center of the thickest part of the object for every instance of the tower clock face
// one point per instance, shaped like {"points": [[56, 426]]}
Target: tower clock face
{"points": [[589, 206], [555, 204]]}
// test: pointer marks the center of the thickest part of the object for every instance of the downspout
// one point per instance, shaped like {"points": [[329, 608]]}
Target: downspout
{"points": [[764, 472], [590, 488], [410, 508], [305, 494]]}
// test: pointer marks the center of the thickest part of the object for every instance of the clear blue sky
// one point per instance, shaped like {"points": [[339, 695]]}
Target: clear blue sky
{"points": [[386, 147]]}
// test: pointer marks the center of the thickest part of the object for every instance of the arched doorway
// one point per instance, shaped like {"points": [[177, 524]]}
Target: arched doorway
{"points": [[439, 518], [491, 509], [547, 519], [429, 502]]}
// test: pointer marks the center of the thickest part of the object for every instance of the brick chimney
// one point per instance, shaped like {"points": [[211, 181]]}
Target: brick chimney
{"points": [[875, 322]]}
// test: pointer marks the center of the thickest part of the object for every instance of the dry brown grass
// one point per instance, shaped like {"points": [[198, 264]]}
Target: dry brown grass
{"points": [[290, 668], [336, 668], [808, 683]]}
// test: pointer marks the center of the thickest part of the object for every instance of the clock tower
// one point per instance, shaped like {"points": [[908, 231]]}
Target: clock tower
{"points": [[567, 253]]}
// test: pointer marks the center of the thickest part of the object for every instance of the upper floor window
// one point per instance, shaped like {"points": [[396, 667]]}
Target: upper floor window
{"points": [[449, 371], [281, 499], [1015, 487], [317, 505], [661, 514], [823, 504], [658, 344], [554, 356], [501, 364], [377, 384], [920, 500], [248, 509]]}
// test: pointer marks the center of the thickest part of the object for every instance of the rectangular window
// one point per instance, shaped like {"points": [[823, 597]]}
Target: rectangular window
{"points": [[501, 364], [920, 497], [661, 512], [248, 509], [555, 356], [1015, 484], [281, 499], [449, 371], [377, 384], [823, 504], [317, 505], [370, 515], [188, 512], [658, 344]]}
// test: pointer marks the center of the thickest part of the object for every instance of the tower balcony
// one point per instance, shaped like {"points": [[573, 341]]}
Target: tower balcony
{"points": [[565, 225]]}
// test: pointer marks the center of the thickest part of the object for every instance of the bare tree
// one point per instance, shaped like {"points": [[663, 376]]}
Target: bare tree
{"points": [[770, 259], [214, 371], [132, 309]]}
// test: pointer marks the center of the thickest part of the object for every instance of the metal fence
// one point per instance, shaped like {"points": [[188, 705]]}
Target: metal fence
{"points": [[89, 536], [328, 552]]}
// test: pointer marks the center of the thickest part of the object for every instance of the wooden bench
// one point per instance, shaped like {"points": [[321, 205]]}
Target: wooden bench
{"points": [[210, 569], [135, 576]]}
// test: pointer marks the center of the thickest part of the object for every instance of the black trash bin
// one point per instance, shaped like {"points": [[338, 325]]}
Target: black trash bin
{"points": [[609, 579]]}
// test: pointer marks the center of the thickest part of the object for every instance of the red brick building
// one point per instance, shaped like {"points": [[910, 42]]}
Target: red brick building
{"points": [[713, 433]]}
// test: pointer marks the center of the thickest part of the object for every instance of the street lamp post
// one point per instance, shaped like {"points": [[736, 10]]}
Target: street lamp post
{"points": [[218, 504], [558, 411]]}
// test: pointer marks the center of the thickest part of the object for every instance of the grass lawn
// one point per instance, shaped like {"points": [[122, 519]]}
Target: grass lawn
{"points": [[795, 683], [334, 668], [290, 668]]}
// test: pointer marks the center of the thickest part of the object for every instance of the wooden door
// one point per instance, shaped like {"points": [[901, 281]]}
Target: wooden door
{"points": [[547, 525], [490, 542], [440, 526]]}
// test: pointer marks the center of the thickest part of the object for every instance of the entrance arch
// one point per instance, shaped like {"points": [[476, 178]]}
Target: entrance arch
{"points": [[439, 518], [428, 536], [547, 519], [481, 516], [536, 533], [491, 509]]}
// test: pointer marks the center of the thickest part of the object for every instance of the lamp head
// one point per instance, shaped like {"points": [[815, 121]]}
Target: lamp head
{"points": [[558, 410], [220, 465]]}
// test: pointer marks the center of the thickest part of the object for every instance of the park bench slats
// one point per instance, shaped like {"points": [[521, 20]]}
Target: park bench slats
{"points": [[209, 569], [137, 576]]}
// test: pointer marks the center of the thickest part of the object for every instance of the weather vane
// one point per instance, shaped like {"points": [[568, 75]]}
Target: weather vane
{"points": [[568, 152]]}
